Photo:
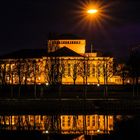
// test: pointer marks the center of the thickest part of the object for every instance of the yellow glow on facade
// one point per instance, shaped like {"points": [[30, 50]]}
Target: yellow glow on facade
{"points": [[77, 45]]}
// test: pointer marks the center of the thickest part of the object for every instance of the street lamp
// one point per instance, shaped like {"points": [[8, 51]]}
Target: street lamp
{"points": [[92, 11], [91, 14]]}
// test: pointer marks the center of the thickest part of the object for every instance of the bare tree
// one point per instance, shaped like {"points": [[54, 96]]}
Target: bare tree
{"points": [[123, 72], [26, 71], [98, 71], [54, 70], [83, 69], [134, 64], [107, 70], [75, 70], [3, 72]]}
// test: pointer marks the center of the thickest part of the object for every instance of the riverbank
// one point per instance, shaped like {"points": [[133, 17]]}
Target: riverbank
{"points": [[70, 106], [68, 91], [69, 99]]}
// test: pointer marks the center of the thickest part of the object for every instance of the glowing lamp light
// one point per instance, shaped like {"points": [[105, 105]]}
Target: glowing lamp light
{"points": [[47, 84], [45, 132], [98, 85], [92, 11]]}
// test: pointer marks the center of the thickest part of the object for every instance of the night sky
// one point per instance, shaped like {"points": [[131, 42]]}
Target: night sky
{"points": [[27, 23]]}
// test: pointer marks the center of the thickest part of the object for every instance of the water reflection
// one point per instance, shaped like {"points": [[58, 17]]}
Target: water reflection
{"points": [[61, 124]]}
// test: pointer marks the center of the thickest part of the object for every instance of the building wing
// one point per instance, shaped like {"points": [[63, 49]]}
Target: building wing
{"points": [[25, 53]]}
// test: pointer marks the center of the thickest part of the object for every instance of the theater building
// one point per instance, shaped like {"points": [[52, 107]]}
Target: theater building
{"points": [[64, 61]]}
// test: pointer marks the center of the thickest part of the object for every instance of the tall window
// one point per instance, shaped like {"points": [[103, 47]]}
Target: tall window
{"points": [[63, 70], [88, 121], [88, 70], [69, 70], [93, 70], [93, 120], [75, 68], [69, 122], [63, 121]]}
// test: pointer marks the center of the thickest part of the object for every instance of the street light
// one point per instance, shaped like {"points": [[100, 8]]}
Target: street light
{"points": [[92, 11], [89, 15], [92, 14]]}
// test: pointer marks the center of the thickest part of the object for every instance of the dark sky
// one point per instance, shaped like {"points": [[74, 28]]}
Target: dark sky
{"points": [[27, 23]]}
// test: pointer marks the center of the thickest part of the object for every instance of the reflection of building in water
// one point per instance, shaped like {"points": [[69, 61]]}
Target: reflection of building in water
{"points": [[91, 124], [64, 124], [64, 61]]}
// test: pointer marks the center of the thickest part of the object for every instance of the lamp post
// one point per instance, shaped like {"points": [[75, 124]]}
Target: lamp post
{"points": [[91, 17], [89, 13]]}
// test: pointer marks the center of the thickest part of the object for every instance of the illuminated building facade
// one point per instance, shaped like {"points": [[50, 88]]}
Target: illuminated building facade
{"points": [[76, 44], [64, 62]]}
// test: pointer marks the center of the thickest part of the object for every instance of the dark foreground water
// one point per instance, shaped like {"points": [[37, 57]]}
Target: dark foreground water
{"points": [[69, 127]]}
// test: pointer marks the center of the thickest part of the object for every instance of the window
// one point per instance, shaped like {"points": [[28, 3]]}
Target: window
{"points": [[69, 70], [88, 121], [88, 70], [93, 121], [75, 68], [63, 70], [63, 121], [58, 42], [93, 70], [69, 122]]}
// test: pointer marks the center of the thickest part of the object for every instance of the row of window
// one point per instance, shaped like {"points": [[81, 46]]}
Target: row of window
{"points": [[89, 68], [65, 42]]}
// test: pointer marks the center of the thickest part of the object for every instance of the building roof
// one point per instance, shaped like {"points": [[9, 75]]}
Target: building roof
{"points": [[64, 37], [25, 53], [64, 52], [69, 36], [39, 53]]}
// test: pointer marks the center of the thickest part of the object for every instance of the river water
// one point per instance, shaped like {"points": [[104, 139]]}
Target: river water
{"points": [[70, 127]]}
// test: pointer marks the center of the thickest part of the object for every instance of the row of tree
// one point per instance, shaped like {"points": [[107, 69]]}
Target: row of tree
{"points": [[52, 69]]}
